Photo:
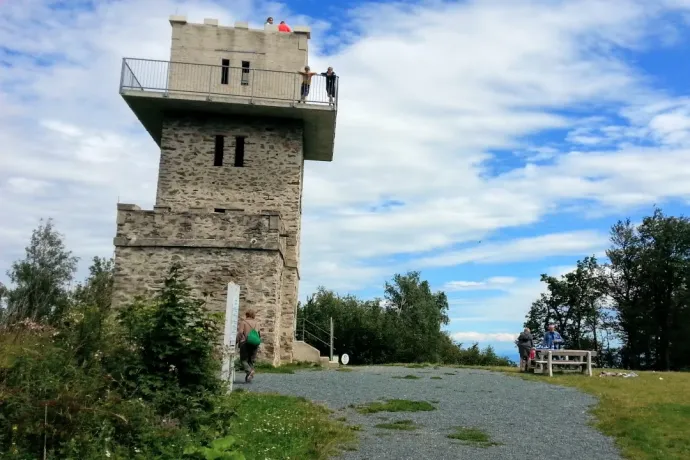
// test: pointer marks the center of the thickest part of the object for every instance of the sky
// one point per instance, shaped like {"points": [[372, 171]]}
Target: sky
{"points": [[480, 142]]}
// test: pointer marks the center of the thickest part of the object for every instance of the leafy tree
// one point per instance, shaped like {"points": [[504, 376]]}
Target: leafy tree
{"points": [[41, 281], [573, 303]]}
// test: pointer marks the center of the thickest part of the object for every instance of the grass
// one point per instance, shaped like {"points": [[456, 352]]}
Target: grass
{"points": [[266, 368], [436, 377], [472, 436], [272, 426], [395, 405], [648, 417], [403, 425], [407, 377]]}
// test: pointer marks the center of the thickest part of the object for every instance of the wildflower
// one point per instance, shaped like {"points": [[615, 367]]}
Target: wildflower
{"points": [[107, 453]]}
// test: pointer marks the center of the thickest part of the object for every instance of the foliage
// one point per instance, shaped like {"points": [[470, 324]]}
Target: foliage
{"points": [[170, 348], [403, 327], [41, 280], [641, 298]]}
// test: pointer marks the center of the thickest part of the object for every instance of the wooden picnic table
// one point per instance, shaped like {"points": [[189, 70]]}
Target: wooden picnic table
{"points": [[546, 359]]}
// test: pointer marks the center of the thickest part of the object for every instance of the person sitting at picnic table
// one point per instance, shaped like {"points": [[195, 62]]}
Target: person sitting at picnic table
{"points": [[552, 340]]}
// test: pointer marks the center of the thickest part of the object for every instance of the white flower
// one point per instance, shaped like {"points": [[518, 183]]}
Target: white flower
{"points": [[107, 453]]}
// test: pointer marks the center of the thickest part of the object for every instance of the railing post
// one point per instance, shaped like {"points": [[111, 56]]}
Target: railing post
{"points": [[210, 78], [122, 74], [331, 338]]}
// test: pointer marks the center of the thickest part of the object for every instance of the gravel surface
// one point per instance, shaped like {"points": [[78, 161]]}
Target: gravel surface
{"points": [[529, 420]]}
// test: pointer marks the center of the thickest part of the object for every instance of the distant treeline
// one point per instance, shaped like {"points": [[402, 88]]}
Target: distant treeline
{"points": [[403, 327]]}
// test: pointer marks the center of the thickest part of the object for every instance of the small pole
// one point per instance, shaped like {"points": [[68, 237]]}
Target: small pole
{"points": [[549, 361], [589, 363], [331, 338]]}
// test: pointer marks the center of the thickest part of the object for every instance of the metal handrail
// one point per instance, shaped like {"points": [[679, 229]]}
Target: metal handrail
{"points": [[317, 338], [316, 326], [214, 80]]}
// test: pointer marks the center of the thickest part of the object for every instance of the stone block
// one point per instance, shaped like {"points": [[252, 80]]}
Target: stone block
{"points": [[174, 19], [241, 25], [304, 30], [211, 22]]}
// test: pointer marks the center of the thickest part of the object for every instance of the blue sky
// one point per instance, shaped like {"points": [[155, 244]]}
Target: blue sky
{"points": [[483, 143]]}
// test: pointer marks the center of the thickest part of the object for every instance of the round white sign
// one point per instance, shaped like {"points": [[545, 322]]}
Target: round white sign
{"points": [[344, 359]]}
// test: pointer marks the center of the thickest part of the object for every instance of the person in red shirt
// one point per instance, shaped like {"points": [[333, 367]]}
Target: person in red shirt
{"points": [[282, 27]]}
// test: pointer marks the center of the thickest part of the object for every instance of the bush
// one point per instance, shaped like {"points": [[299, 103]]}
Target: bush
{"points": [[141, 384]]}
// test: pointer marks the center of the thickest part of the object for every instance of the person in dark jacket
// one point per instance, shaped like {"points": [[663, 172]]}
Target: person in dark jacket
{"points": [[525, 343], [330, 84]]}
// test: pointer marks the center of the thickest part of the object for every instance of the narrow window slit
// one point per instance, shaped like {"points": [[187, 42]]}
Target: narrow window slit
{"points": [[225, 71], [218, 151], [239, 151]]}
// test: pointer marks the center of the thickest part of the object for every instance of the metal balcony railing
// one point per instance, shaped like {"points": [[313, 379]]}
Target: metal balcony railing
{"points": [[212, 80]]}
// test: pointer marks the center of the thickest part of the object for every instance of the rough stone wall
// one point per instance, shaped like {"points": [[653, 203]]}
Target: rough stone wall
{"points": [[214, 249], [207, 44], [271, 178], [289, 296]]}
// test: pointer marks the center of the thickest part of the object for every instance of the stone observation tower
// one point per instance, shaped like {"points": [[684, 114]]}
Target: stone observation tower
{"points": [[233, 136]]}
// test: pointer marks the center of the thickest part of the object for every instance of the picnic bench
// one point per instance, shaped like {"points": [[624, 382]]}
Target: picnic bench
{"points": [[545, 360]]}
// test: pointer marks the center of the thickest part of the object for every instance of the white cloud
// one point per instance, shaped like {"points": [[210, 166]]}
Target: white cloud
{"points": [[495, 282], [469, 337], [423, 108]]}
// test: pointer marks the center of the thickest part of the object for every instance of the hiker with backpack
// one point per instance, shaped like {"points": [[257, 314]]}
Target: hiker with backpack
{"points": [[248, 339]]}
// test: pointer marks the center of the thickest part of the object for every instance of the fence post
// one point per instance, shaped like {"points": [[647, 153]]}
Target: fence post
{"points": [[331, 338]]}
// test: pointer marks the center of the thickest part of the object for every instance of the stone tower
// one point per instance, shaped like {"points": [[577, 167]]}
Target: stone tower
{"points": [[233, 137]]}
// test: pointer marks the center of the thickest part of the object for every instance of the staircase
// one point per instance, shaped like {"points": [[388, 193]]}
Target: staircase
{"points": [[304, 352]]}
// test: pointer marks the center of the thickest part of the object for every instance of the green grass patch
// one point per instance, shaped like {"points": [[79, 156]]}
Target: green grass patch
{"points": [[266, 368], [403, 425], [450, 373], [276, 426], [395, 405], [472, 436], [435, 377], [407, 377]]}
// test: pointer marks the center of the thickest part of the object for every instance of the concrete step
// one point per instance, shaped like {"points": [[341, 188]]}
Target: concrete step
{"points": [[326, 362]]}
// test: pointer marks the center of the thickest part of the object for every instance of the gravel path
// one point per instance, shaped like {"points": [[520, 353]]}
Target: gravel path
{"points": [[514, 412]]}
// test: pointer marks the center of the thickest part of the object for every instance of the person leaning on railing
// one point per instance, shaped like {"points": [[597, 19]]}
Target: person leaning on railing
{"points": [[330, 84], [306, 82]]}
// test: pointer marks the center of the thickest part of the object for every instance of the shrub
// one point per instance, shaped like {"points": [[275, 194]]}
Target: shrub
{"points": [[140, 384]]}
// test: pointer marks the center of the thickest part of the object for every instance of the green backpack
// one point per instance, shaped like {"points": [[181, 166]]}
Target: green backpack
{"points": [[253, 338]]}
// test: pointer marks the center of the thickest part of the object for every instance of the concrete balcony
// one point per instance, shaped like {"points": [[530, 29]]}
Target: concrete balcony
{"points": [[152, 88]]}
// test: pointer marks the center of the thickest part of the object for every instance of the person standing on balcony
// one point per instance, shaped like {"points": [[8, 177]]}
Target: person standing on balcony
{"points": [[330, 84], [282, 27], [269, 21], [306, 82]]}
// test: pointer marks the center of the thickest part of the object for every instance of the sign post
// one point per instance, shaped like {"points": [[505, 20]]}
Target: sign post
{"points": [[232, 313]]}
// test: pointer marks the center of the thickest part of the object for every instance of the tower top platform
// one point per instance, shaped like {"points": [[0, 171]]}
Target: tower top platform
{"points": [[235, 70]]}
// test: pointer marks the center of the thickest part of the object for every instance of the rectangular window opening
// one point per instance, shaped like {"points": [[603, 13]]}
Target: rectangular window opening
{"points": [[245, 72], [220, 210], [218, 151], [225, 71], [239, 151]]}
